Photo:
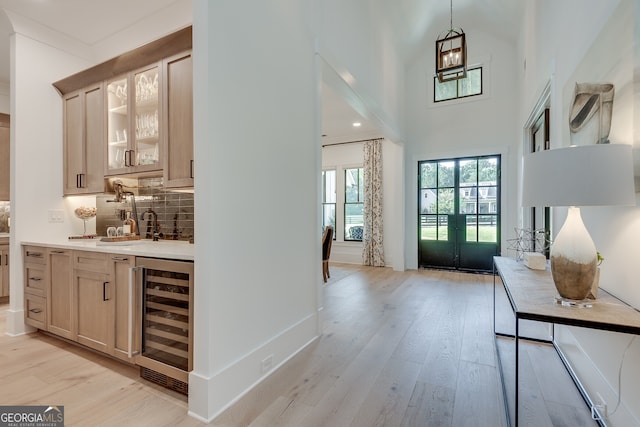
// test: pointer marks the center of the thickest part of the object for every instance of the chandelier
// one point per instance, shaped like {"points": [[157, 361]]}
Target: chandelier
{"points": [[451, 53]]}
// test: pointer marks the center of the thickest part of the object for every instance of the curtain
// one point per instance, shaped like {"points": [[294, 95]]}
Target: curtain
{"points": [[372, 253]]}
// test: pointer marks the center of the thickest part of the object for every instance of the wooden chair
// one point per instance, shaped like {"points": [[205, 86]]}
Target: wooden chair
{"points": [[327, 238]]}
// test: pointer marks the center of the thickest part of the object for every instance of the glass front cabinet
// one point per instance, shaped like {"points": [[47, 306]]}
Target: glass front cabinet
{"points": [[133, 122]]}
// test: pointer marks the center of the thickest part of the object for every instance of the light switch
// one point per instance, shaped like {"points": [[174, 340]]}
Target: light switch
{"points": [[56, 215]]}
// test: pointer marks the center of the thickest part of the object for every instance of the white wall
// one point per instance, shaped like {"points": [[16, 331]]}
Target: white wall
{"points": [[36, 154], [563, 57], [470, 127], [257, 254], [340, 157], [257, 119]]}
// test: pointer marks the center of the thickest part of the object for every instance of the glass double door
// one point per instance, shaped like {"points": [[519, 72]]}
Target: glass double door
{"points": [[459, 213], [133, 122]]}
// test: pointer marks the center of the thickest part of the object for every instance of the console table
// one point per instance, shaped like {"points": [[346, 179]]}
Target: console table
{"points": [[531, 296]]}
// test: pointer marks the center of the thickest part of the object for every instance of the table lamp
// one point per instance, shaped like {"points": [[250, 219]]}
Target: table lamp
{"points": [[588, 175]]}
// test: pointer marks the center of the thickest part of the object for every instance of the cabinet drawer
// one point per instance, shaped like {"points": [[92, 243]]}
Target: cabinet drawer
{"points": [[35, 280], [91, 261], [35, 254], [35, 311]]}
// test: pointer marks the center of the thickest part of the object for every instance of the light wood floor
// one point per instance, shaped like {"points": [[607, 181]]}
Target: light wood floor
{"points": [[411, 348]]}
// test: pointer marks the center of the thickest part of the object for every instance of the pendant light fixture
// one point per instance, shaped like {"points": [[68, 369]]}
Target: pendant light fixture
{"points": [[451, 53]]}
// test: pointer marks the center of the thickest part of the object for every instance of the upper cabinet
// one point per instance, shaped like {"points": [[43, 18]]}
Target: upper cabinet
{"points": [[4, 157], [83, 140], [131, 115], [133, 122], [178, 120]]}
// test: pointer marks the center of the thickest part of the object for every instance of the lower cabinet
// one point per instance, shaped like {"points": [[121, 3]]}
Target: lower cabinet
{"points": [[138, 310], [127, 304], [88, 297], [93, 304], [35, 311], [4, 270], [60, 295], [36, 286]]}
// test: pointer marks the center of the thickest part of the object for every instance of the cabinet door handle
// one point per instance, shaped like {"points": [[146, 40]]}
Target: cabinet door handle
{"points": [[77, 180], [126, 158], [57, 252], [34, 254], [81, 180], [120, 258], [36, 310], [104, 291], [132, 273], [35, 279], [6, 259], [191, 170]]}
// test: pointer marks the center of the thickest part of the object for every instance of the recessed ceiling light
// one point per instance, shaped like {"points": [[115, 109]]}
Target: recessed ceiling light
{"points": [[356, 124]]}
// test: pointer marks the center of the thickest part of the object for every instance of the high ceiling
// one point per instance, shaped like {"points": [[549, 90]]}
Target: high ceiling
{"points": [[414, 23]]}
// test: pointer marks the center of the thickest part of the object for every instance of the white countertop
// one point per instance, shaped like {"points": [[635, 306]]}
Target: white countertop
{"points": [[170, 249]]}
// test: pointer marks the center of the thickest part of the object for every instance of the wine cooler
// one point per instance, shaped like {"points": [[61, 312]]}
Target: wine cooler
{"points": [[167, 322]]}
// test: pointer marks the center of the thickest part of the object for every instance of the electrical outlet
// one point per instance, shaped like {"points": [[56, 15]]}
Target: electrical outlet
{"points": [[266, 364], [55, 215], [601, 405]]}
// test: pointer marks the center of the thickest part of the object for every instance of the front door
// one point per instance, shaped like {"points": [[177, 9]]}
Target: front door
{"points": [[459, 213]]}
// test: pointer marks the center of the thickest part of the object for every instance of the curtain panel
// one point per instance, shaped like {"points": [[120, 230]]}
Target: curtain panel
{"points": [[372, 251]]}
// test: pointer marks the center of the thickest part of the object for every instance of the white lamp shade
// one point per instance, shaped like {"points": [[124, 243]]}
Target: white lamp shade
{"points": [[587, 175]]}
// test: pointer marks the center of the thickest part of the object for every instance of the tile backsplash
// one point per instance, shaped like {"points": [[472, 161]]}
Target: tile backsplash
{"points": [[174, 211], [4, 217]]}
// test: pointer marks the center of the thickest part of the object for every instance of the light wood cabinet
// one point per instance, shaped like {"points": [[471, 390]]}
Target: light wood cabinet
{"points": [[137, 136], [83, 141], [4, 157], [84, 296], [133, 119], [35, 286], [4, 271], [93, 300], [60, 307], [177, 120], [127, 310]]}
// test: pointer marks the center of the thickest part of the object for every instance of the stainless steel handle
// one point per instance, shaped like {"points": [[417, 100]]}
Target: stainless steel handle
{"points": [[120, 258], [57, 252], [191, 169], [132, 273]]}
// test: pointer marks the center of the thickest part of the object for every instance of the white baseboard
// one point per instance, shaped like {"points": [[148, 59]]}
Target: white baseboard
{"points": [[209, 396], [16, 325], [592, 378]]}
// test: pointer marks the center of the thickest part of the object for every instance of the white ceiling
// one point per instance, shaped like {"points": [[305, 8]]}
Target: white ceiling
{"points": [[415, 24]]}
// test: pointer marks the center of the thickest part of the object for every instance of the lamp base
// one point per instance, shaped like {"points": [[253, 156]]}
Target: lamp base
{"points": [[578, 303]]}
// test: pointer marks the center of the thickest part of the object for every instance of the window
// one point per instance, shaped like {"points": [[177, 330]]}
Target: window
{"points": [[329, 199], [353, 203], [462, 88]]}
